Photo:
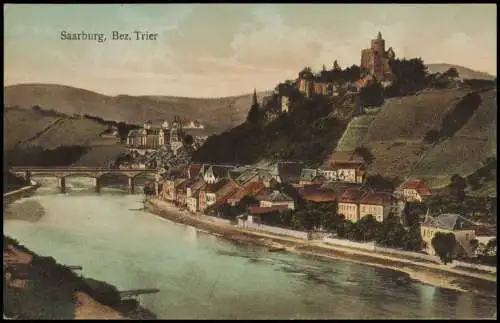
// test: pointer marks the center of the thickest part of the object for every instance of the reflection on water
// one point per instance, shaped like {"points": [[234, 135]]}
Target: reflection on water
{"points": [[201, 276]]}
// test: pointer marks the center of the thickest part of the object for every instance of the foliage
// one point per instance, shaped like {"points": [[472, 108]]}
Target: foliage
{"points": [[410, 76], [372, 95], [478, 84], [188, 140], [445, 245], [413, 239], [477, 208], [365, 153], [391, 233], [457, 186], [37, 156], [306, 133], [382, 183], [431, 137]]}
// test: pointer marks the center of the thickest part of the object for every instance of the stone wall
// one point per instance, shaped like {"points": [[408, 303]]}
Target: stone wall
{"points": [[486, 268], [350, 244], [277, 230]]}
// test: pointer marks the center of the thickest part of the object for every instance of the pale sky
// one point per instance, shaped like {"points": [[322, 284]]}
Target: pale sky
{"points": [[214, 50]]}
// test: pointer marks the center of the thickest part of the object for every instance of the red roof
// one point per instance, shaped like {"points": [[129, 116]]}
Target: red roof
{"points": [[377, 199], [419, 186], [351, 196], [263, 210], [251, 189], [316, 194]]}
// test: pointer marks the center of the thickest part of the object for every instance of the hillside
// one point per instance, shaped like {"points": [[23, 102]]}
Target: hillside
{"points": [[216, 114], [463, 72], [28, 132], [395, 135]]}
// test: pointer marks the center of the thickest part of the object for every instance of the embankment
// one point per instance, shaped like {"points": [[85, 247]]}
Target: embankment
{"points": [[425, 272], [39, 288]]}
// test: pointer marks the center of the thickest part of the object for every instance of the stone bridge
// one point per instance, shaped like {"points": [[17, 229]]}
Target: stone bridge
{"points": [[92, 172]]}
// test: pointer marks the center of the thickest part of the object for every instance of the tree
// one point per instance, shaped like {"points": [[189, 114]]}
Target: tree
{"points": [[413, 239], [365, 153], [336, 66], [451, 73], [474, 244], [188, 140], [372, 95], [391, 232], [431, 136], [445, 245], [457, 186], [367, 228]]}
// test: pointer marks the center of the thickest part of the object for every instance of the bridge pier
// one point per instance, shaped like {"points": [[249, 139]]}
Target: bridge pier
{"points": [[97, 184], [62, 184], [131, 186], [27, 176]]}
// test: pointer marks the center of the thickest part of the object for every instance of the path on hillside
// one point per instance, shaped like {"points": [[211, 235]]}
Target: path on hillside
{"points": [[40, 133]]}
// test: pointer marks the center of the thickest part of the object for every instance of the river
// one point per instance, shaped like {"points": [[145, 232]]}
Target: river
{"points": [[201, 276]]}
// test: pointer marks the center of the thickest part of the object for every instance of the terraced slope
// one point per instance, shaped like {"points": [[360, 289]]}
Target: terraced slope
{"points": [[395, 136]]}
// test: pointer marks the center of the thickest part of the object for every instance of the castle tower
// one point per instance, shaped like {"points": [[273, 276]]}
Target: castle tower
{"points": [[378, 44]]}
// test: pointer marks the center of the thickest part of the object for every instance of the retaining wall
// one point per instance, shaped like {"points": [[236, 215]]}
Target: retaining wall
{"points": [[277, 230], [486, 268], [22, 192], [350, 244]]}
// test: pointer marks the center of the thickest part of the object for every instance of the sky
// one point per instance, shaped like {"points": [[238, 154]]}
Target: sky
{"points": [[216, 50]]}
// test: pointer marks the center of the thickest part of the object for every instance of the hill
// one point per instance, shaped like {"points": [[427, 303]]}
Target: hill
{"points": [[395, 135], [217, 114], [30, 134], [463, 72]]}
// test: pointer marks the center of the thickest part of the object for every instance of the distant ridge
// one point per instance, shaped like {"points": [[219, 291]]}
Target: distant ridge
{"points": [[218, 114], [463, 72]]}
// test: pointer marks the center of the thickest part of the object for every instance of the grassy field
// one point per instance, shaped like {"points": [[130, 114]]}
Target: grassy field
{"points": [[21, 125]]}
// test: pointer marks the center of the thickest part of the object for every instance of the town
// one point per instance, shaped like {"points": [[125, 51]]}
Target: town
{"points": [[337, 200]]}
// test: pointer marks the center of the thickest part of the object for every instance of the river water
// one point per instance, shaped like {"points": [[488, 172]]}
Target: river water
{"points": [[203, 277]]}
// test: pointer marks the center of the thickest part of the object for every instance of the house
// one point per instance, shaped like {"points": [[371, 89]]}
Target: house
{"points": [[208, 195], [306, 176], [169, 188], [192, 196], [255, 213], [181, 192], [462, 229], [351, 172], [226, 191], [413, 190], [216, 173], [251, 189], [378, 204], [272, 198], [348, 204]]}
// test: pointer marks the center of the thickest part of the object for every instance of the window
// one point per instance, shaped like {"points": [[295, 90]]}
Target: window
{"points": [[466, 236]]}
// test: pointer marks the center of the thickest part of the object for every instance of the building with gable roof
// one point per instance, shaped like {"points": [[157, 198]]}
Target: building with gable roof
{"points": [[378, 204], [413, 190], [460, 227]]}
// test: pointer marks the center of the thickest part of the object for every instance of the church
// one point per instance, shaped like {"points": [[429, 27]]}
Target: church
{"points": [[149, 138]]}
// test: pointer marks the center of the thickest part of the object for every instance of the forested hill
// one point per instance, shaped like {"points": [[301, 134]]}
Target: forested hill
{"points": [[397, 129]]}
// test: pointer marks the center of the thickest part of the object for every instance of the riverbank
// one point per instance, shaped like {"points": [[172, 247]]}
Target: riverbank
{"points": [[424, 272], [38, 288]]}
